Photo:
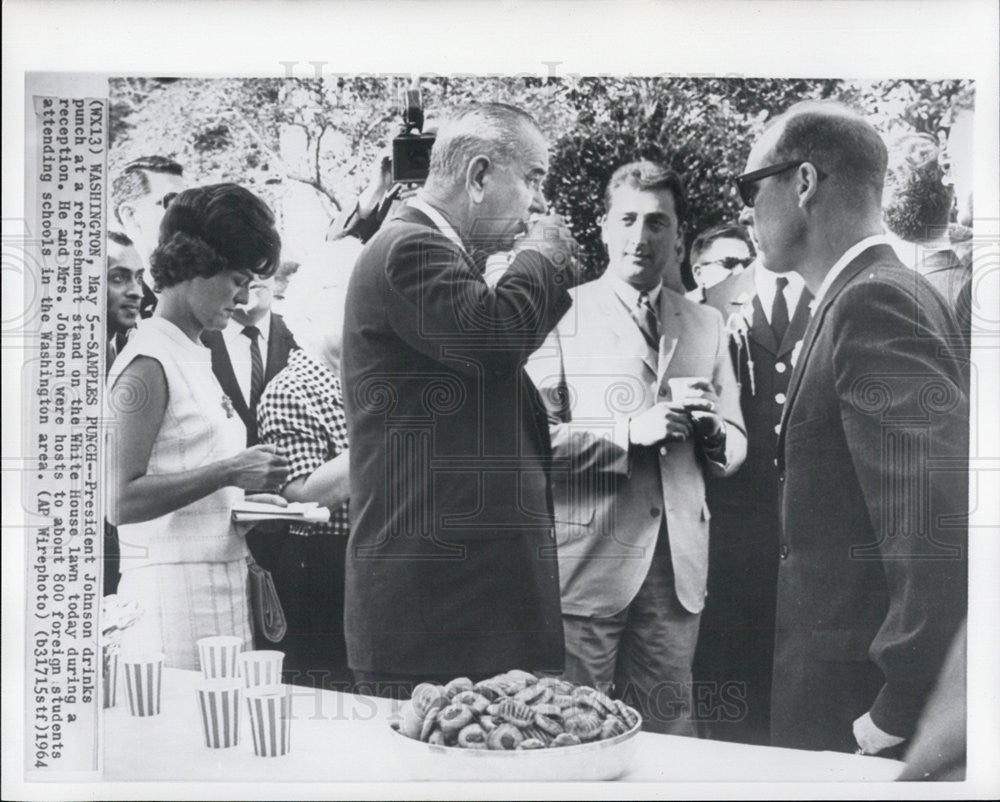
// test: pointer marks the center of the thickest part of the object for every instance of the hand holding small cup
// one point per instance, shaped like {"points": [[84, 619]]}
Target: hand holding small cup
{"points": [[700, 400]]}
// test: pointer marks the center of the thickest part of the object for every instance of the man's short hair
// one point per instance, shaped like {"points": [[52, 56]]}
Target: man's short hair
{"points": [[836, 140], [916, 205], [132, 183], [649, 176], [495, 130], [727, 231]]}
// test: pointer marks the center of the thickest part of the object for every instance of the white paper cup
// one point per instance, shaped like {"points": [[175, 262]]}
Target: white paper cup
{"points": [[218, 656], [270, 724], [143, 676], [219, 706], [261, 667], [681, 388], [109, 676]]}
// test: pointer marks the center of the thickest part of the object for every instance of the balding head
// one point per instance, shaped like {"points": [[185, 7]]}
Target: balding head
{"points": [[814, 180], [837, 141]]}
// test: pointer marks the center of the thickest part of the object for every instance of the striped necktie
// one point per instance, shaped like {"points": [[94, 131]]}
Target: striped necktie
{"points": [[645, 318], [256, 368]]}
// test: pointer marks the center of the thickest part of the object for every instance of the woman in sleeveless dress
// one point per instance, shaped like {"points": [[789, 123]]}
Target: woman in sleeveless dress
{"points": [[178, 461]]}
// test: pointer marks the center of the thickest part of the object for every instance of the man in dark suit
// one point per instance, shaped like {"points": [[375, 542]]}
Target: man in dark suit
{"points": [[451, 565], [766, 316], [246, 355], [872, 448]]}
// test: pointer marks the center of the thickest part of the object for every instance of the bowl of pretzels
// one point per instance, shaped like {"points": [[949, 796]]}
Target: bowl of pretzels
{"points": [[515, 726]]}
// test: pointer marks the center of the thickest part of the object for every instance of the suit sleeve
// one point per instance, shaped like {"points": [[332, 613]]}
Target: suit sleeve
{"points": [[582, 448], [729, 405], [438, 302], [905, 417]]}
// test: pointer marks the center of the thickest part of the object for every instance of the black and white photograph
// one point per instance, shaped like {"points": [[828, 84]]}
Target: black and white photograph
{"points": [[500, 428]]}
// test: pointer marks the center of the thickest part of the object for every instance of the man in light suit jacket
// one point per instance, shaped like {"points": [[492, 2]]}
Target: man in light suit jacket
{"points": [[630, 453], [872, 450], [766, 315]]}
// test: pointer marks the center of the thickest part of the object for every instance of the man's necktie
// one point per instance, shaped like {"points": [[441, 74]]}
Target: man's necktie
{"points": [[645, 317], [256, 368], [779, 310]]}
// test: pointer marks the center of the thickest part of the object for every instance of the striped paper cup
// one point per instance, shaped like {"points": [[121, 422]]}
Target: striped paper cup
{"points": [[219, 706], [261, 667], [218, 656], [109, 676], [270, 719], [143, 674]]}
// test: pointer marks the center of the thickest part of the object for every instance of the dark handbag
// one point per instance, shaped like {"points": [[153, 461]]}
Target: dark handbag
{"points": [[265, 606]]}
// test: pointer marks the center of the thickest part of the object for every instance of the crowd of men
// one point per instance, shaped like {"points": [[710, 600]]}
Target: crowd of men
{"points": [[740, 507]]}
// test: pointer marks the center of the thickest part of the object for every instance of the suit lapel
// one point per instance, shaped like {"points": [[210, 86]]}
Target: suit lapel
{"points": [[625, 328], [222, 367], [670, 325], [860, 262], [760, 330], [797, 325], [278, 347]]}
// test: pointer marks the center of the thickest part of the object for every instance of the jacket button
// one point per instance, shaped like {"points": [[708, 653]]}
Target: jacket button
{"points": [[664, 451], [780, 398], [777, 428], [784, 552], [775, 462], [654, 512], [781, 476], [781, 367]]}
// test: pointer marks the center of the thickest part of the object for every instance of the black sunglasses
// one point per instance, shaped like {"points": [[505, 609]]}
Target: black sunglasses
{"points": [[746, 184], [727, 262]]}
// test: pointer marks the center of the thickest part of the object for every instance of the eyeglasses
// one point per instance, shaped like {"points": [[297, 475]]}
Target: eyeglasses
{"points": [[727, 262], [746, 184]]}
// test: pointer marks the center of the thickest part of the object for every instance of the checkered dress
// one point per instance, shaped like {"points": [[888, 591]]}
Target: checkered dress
{"points": [[302, 412]]}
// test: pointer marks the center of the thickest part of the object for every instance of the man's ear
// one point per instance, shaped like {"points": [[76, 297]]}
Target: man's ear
{"points": [[475, 177], [125, 212], [806, 183]]}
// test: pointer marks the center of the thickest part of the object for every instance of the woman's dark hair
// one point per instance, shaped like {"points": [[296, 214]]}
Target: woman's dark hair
{"points": [[210, 229]]}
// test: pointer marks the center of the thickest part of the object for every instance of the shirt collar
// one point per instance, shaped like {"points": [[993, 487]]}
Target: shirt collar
{"points": [[234, 329], [764, 280], [630, 295], [437, 219], [849, 256]]}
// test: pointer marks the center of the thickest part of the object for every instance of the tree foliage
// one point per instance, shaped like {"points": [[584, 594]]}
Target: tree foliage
{"points": [[276, 134]]}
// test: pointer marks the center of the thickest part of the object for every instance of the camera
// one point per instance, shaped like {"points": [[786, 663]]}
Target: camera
{"points": [[411, 150]]}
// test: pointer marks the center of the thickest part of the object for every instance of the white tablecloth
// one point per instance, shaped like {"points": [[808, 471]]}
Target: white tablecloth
{"points": [[342, 737]]}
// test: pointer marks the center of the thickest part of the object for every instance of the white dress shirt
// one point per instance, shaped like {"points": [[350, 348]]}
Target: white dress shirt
{"points": [[764, 283], [855, 250], [630, 295], [238, 346]]}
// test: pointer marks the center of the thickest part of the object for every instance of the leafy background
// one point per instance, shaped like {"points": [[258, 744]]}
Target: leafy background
{"points": [[308, 145]]}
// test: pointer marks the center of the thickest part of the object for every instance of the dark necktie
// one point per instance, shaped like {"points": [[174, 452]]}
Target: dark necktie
{"points": [[645, 317], [779, 310], [256, 368]]}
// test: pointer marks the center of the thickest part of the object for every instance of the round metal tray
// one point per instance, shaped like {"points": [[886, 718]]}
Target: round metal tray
{"points": [[597, 760]]}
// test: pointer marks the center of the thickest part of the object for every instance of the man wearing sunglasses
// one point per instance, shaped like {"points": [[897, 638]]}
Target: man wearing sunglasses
{"points": [[872, 447], [716, 254], [140, 195]]}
